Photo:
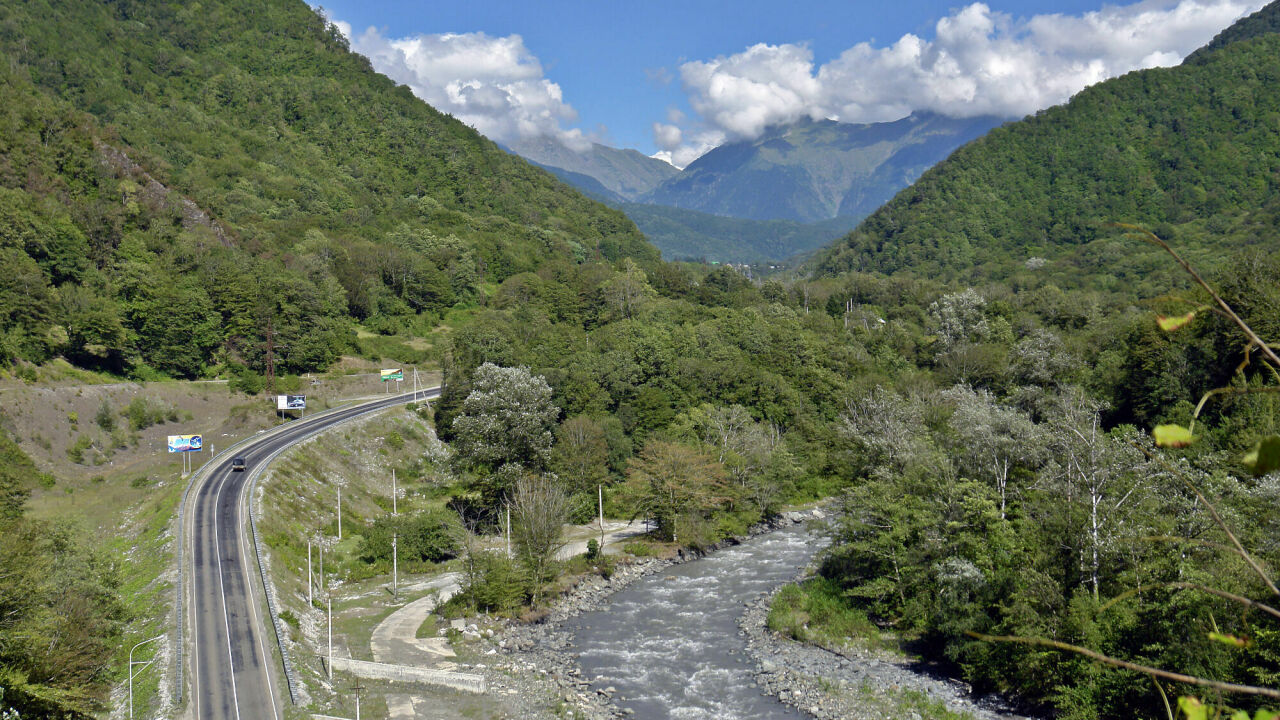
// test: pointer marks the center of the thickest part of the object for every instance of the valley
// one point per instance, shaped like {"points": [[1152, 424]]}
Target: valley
{"points": [[1017, 377]]}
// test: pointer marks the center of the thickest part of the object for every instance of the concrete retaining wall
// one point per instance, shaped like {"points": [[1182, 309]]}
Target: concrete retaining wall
{"points": [[405, 673]]}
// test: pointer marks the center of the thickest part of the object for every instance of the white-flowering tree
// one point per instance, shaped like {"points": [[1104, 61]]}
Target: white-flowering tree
{"points": [[505, 422], [993, 439]]}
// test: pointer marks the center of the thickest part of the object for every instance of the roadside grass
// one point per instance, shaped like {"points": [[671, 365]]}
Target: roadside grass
{"points": [[146, 554]]}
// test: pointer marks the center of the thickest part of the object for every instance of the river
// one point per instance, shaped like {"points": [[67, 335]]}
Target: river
{"points": [[670, 643]]}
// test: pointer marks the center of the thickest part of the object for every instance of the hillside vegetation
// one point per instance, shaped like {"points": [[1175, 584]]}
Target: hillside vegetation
{"points": [[182, 187], [1192, 152], [190, 189]]}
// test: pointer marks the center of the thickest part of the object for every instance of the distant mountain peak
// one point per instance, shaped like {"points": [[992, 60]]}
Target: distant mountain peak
{"points": [[814, 170], [628, 174]]}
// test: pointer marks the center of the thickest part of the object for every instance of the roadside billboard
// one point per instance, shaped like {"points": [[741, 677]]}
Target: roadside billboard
{"points": [[396, 374], [291, 402], [185, 443]]}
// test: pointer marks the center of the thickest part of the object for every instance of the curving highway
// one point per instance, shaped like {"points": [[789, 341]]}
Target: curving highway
{"points": [[233, 674]]}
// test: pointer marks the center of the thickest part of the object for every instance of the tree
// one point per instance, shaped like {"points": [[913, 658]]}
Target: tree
{"points": [[538, 512], [1096, 470], [506, 420], [581, 454], [993, 439], [671, 480]]}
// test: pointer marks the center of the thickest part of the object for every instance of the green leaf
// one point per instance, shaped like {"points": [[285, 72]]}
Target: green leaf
{"points": [[1174, 436], [1169, 324], [1265, 456], [1193, 708], [1231, 640]]}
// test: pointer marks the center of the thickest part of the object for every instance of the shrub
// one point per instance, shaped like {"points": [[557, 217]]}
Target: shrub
{"points": [[427, 536], [105, 418], [76, 451]]}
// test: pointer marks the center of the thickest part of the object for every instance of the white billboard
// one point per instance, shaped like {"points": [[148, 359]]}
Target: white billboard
{"points": [[291, 402]]}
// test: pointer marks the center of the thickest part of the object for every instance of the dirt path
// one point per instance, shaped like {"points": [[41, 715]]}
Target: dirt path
{"points": [[615, 531]]}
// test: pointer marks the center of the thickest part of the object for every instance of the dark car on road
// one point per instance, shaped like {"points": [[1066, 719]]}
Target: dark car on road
{"points": [[237, 464]]}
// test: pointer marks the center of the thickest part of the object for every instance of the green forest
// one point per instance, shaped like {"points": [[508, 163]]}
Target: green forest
{"points": [[972, 375]]}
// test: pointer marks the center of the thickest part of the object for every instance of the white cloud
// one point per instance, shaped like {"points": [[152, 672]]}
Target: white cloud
{"points": [[494, 84], [978, 62]]}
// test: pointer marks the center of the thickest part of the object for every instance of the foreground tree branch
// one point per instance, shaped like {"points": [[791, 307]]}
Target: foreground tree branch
{"points": [[1116, 662]]}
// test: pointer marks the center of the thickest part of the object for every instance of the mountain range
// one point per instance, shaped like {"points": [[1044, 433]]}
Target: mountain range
{"points": [[805, 180]]}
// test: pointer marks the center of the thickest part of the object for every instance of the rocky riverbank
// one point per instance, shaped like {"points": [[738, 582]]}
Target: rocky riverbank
{"points": [[855, 684], [538, 659]]}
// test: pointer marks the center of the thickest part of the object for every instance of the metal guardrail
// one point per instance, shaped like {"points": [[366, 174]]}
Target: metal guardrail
{"points": [[272, 610], [199, 475]]}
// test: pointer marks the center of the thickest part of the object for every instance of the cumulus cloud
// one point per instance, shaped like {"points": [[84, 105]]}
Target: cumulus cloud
{"points": [[979, 62], [494, 84]]}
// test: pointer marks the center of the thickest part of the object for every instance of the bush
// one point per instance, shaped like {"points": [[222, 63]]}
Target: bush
{"points": [[246, 381], [76, 451], [143, 413], [501, 585], [106, 418], [815, 611], [423, 537]]}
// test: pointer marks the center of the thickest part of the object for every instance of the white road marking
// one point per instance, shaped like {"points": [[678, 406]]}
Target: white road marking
{"points": [[253, 606], [191, 602], [226, 619]]}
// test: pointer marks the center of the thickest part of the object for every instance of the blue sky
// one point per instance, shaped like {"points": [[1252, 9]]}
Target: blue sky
{"points": [[675, 78]]}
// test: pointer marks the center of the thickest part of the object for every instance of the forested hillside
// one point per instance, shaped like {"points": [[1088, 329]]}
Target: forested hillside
{"points": [[178, 183], [188, 190], [1191, 151], [1019, 492]]}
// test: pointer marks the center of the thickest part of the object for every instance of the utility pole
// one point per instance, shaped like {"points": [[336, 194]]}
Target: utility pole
{"points": [[144, 667], [330, 602], [395, 567], [393, 491], [310, 601], [357, 688], [508, 531]]}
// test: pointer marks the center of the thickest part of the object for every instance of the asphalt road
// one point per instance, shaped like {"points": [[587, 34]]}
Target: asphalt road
{"points": [[230, 658]]}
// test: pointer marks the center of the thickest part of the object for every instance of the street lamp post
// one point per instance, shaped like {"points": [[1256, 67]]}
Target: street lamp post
{"points": [[144, 667]]}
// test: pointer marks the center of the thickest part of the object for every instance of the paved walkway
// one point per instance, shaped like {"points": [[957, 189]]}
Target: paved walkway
{"points": [[395, 639]]}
